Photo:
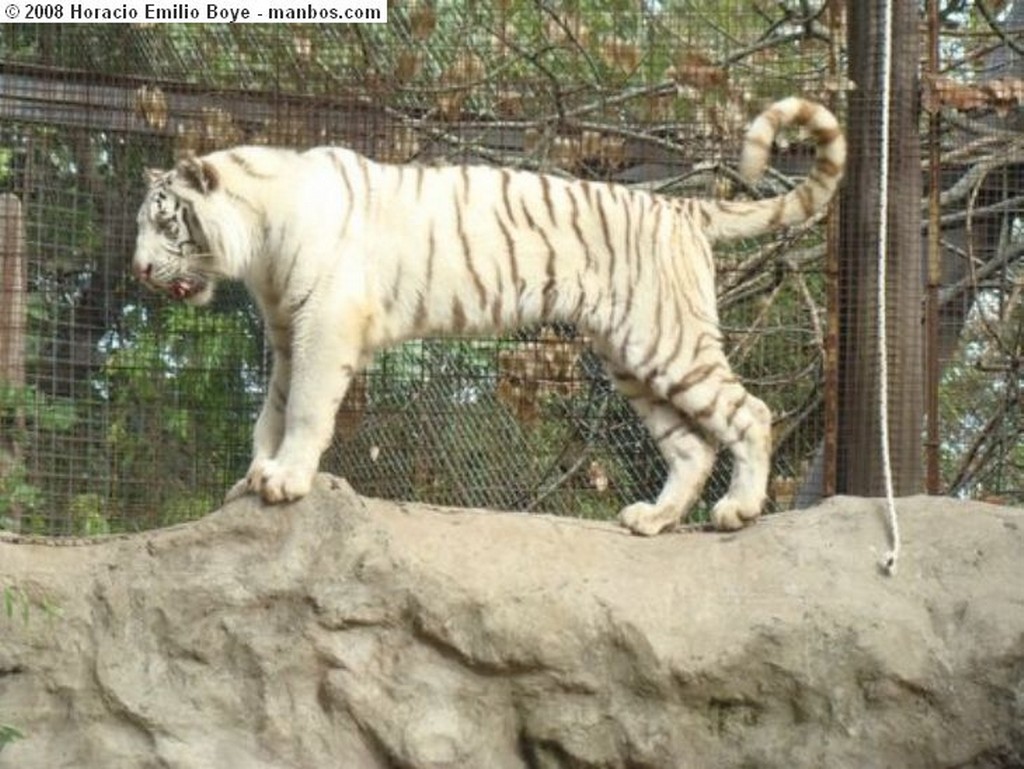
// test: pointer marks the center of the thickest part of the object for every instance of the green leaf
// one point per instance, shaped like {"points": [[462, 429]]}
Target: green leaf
{"points": [[9, 734]]}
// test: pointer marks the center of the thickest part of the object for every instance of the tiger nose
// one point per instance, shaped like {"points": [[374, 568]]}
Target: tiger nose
{"points": [[142, 271]]}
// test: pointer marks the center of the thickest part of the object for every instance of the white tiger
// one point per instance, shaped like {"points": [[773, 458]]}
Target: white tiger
{"points": [[344, 256]]}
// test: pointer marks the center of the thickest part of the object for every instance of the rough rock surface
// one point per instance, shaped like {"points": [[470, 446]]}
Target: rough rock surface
{"points": [[346, 632]]}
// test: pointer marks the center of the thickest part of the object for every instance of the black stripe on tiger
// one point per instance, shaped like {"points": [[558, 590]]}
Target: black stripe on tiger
{"points": [[545, 189], [247, 167], [550, 290], [467, 255], [513, 264], [351, 200]]}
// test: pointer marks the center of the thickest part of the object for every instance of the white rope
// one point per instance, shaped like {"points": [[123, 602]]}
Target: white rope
{"points": [[888, 561]]}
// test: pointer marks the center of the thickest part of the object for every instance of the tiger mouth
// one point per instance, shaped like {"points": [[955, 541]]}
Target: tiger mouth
{"points": [[183, 289]]}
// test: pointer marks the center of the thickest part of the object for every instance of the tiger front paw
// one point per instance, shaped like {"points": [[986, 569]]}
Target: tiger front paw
{"points": [[275, 481], [648, 520]]}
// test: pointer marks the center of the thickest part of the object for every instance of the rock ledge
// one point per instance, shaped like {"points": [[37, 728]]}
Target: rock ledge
{"points": [[347, 632]]}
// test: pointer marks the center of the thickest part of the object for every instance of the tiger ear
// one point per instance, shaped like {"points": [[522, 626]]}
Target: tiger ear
{"points": [[198, 173], [154, 177]]}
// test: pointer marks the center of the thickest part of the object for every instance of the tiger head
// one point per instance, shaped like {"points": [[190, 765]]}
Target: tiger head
{"points": [[173, 253]]}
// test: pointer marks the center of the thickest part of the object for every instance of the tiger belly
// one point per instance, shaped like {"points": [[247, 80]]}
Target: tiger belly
{"points": [[633, 272]]}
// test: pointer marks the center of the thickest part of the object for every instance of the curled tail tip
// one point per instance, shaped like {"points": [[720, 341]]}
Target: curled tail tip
{"points": [[817, 119], [808, 198]]}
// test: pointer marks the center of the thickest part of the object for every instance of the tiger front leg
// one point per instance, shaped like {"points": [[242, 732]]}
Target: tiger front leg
{"points": [[325, 349], [269, 429], [318, 386]]}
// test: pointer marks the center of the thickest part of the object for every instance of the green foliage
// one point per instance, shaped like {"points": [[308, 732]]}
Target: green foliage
{"points": [[87, 515], [17, 605], [17, 494], [196, 504], [9, 734], [16, 601], [183, 396], [38, 411], [23, 412], [6, 156]]}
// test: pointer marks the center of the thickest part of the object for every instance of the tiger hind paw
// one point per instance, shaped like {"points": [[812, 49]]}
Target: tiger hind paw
{"points": [[730, 514]]}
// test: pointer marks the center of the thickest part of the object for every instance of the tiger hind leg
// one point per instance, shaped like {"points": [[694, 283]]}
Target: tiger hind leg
{"points": [[688, 455], [713, 398]]}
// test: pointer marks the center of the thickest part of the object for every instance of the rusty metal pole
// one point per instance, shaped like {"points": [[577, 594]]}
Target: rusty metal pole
{"points": [[13, 331], [831, 352], [932, 367]]}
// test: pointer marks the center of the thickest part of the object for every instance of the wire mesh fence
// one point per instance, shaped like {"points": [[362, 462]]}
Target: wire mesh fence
{"points": [[120, 410]]}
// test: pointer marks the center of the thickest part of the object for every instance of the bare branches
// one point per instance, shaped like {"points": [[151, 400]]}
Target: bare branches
{"points": [[986, 443], [1008, 40]]}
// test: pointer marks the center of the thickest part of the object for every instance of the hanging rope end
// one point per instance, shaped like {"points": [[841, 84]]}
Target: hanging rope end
{"points": [[887, 563]]}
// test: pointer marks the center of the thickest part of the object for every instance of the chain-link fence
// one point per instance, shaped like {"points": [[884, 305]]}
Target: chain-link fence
{"points": [[120, 410]]}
